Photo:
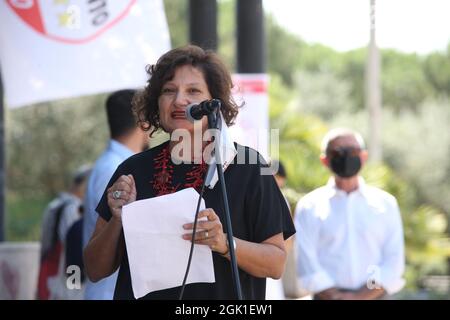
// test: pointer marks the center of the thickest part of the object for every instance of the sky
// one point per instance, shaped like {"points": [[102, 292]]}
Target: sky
{"points": [[420, 26]]}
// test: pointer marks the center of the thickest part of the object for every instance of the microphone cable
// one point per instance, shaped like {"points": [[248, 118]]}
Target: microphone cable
{"points": [[193, 237]]}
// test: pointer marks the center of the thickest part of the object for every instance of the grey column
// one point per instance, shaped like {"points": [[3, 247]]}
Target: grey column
{"points": [[203, 23], [251, 46]]}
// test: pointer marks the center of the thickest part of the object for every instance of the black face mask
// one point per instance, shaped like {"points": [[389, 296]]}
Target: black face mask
{"points": [[345, 162]]}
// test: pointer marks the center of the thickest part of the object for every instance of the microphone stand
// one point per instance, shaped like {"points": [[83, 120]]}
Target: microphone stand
{"points": [[214, 123]]}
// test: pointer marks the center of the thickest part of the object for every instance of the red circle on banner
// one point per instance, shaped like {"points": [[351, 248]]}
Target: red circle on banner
{"points": [[29, 11]]}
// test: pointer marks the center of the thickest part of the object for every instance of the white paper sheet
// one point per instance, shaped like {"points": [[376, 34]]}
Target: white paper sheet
{"points": [[157, 253]]}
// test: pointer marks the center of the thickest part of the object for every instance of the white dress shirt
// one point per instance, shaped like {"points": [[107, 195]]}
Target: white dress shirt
{"points": [[348, 240], [104, 168]]}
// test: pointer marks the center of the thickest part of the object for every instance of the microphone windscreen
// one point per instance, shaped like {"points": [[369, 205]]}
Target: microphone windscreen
{"points": [[189, 113]]}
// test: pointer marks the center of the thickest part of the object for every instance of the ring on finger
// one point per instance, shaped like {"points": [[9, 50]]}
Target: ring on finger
{"points": [[206, 234], [116, 194]]}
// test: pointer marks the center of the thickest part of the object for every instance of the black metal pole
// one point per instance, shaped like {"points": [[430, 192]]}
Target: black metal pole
{"points": [[213, 123], [2, 163], [251, 47], [203, 23]]}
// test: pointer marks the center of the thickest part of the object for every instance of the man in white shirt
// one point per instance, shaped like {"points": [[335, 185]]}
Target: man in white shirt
{"points": [[126, 139], [349, 235]]}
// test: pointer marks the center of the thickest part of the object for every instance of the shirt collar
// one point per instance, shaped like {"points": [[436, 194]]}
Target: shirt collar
{"points": [[334, 190], [119, 148], [66, 196]]}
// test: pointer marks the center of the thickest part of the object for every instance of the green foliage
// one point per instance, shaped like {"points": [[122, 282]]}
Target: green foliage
{"points": [[317, 57], [226, 32], [417, 146], [353, 71], [279, 95], [23, 221], [426, 223], [283, 50], [323, 93], [177, 15], [403, 79], [47, 142], [437, 71], [299, 141], [427, 246]]}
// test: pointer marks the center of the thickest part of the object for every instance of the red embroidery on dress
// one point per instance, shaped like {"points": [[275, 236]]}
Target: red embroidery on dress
{"points": [[162, 179], [194, 178], [162, 182]]}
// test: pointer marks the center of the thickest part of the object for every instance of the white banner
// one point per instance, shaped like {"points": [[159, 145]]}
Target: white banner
{"points": [[252, 123], [52, 49]]}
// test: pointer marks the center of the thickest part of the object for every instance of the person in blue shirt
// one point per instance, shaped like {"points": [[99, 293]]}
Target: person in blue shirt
{"points": [[126, 139]]}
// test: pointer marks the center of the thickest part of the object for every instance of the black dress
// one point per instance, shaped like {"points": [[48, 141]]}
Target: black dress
{"points": [[258, 212]]}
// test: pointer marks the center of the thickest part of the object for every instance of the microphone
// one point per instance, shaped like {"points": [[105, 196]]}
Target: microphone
{"points": [[196, 111]]}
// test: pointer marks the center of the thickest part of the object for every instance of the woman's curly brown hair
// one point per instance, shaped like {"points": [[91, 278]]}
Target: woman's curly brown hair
{"points": [[217, 77]]}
